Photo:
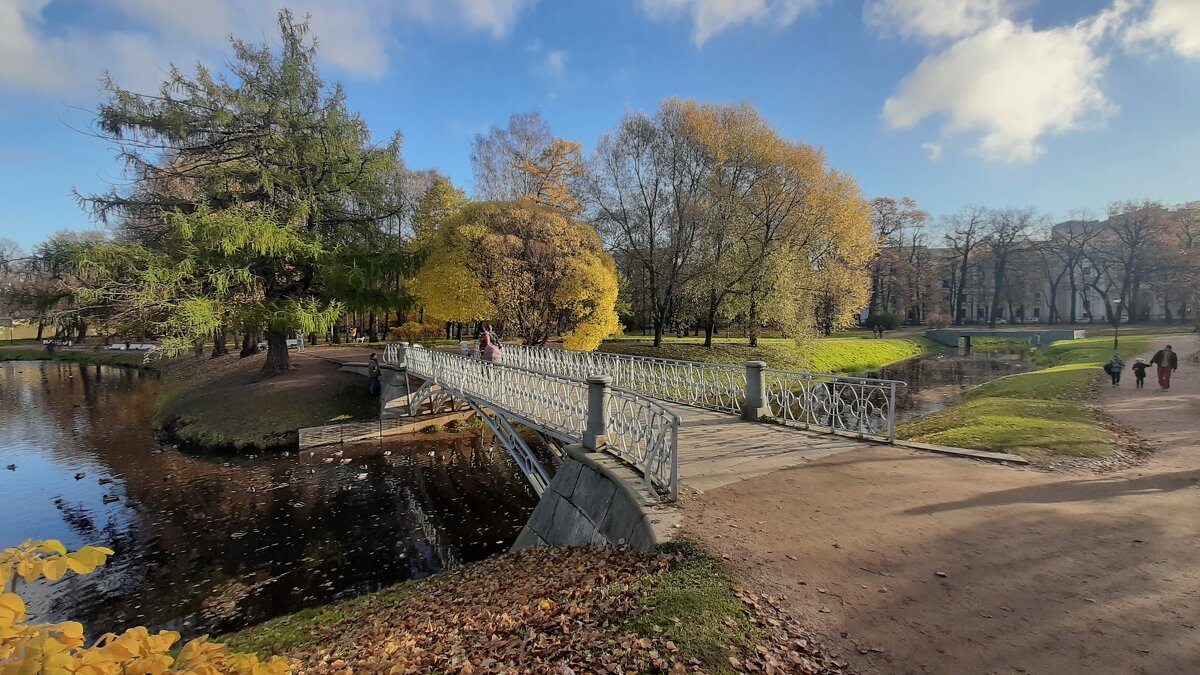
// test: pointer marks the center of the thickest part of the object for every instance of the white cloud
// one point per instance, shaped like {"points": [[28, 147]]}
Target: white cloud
{"points": [[1174, 24], [935, 19], [710, 17], [932, 150], [555, 63], [1012, 84], [356, 36]]}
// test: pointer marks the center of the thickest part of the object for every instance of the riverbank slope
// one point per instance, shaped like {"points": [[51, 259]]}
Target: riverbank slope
{"points": [[1043, 415], [581, 609], [223, 404]]}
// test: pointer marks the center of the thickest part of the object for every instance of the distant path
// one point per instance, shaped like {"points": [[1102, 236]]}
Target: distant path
{"points": [[1170, 421], [1043, 573]]}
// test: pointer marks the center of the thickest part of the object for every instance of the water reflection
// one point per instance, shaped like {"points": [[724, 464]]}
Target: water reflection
{"points": [[206, 544], [939, 380]]}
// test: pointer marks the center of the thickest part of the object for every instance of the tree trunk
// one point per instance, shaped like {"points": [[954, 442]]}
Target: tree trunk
{"points": [[372, 331], [249, 344], [82, 332], [711, 322], [753, 317], [219, 346], [277, 362], [996, 292], [658, 330], [41, 327], [198, 348]]}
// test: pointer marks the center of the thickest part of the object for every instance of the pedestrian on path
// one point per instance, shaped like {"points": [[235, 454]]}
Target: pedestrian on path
{"points": [[1139, 371], [487, 350], [1114, 368], [1168, 362]]}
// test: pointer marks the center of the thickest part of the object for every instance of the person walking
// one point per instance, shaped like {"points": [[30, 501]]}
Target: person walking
{"points": [[1114, 368], [1168, 362], [488, 351], [1139, 371], [373, 374]]}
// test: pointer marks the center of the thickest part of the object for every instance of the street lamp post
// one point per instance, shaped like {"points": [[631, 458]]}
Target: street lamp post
{"points": [[1116, 303]]}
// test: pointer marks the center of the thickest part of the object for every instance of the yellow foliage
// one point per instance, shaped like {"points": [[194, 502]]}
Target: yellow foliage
{"points": [[58, 648], [531, 268]]}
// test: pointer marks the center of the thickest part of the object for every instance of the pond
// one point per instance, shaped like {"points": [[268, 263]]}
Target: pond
{"points": [[207, 544], [940, 379]]}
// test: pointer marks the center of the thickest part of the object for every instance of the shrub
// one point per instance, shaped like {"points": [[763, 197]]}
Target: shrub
{"points": [[59, 647], [416, 332], [883, 320], [935, 320]]}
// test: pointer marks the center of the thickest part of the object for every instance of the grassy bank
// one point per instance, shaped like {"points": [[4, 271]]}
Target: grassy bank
{"points": [[542, 610], [221, 404], [1045, 412], [845, 356], [113, 358]]}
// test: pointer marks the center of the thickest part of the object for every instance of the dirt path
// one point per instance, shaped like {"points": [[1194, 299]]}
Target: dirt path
{"points": [[1043, 573]]}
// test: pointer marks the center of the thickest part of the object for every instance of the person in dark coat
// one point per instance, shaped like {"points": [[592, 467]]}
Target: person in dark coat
{"points": [[1114, 368], [1139, 371], [1168, 362], [373, 375]]}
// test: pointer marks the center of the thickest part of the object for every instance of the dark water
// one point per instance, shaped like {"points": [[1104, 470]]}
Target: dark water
{"points": [[208, 544], [939, 380]]}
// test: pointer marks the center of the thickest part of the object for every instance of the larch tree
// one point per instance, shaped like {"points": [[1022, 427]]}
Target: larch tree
{"points": [[247, 190]]}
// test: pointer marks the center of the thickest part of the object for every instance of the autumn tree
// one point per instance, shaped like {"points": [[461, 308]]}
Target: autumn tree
{"points": [[896, 271], [524, 160], [247, 190], [1006, 233], [532, 269], [644, 186]]}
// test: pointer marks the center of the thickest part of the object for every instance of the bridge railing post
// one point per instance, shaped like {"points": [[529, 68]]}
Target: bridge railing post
{"points": [[596, 434], [755, 405]]}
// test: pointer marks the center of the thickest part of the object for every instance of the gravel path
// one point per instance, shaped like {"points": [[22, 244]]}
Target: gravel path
{"points": [[913, 563]]}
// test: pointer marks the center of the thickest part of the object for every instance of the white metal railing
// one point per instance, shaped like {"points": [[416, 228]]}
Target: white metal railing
{"points": [[635, 428], [858, 405]]}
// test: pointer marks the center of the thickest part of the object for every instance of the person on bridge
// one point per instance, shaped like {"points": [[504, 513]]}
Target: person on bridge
{"points": [[488, 351], [373, 374], [1168, 362]]}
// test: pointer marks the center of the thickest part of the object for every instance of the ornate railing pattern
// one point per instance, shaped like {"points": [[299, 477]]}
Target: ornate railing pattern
{"points": [[638, 429], [858, 405]]}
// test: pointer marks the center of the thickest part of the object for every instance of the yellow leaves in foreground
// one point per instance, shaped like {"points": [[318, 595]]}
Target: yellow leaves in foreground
{"points": [[59, 647]]}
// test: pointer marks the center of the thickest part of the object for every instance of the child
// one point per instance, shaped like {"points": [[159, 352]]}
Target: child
{"points": [[1139, 371], [1114, 368]]}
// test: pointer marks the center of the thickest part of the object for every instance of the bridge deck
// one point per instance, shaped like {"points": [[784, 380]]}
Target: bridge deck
{"points": [[717, 448]]}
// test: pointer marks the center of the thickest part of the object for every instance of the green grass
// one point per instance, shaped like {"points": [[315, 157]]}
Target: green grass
{"points": [[825, 355], [113, 358], [1044, 412], [694, 605]]}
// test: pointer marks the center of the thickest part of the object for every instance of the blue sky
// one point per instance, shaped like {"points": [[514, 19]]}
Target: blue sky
{"points": [[1055, 104]]}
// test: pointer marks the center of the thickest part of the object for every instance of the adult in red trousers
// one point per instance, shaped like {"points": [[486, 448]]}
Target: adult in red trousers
{"points": [[1168, 362]]}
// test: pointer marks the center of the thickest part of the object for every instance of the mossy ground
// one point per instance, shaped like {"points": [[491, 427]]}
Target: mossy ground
{"points": [[1044, 412], [841, 355]]}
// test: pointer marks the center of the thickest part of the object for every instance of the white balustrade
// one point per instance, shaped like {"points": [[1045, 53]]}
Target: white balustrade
{"points": [[635, 428], [858, 405]]}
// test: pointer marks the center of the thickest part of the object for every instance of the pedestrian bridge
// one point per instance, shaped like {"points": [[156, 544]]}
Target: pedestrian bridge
{"points": [[664, 418]]}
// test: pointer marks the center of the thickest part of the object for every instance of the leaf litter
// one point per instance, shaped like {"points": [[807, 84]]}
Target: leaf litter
{"points": [[543, 610]]}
